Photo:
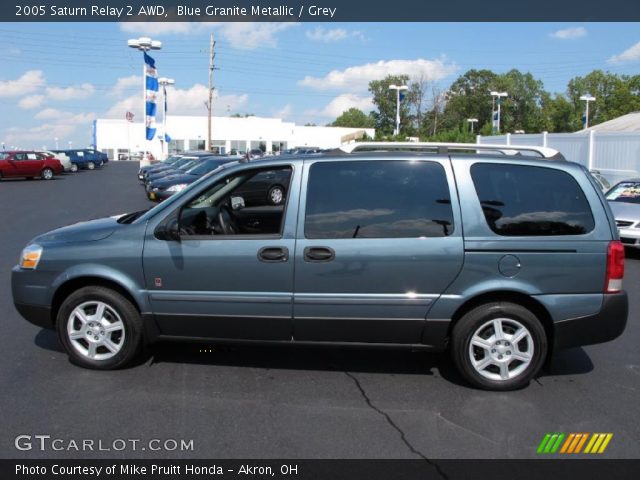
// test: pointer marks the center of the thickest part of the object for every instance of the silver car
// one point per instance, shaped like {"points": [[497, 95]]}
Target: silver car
{"points": [[624, 200]]}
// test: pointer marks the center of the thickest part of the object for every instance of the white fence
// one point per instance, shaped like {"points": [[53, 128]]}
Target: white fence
{"points": [[616, 155]]}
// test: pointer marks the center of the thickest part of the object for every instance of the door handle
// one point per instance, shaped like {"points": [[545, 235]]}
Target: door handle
{"points": [[319, 254], [273, 254]]}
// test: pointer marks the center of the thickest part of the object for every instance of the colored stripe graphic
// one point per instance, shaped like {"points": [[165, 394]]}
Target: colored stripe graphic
{"points": [[573, 443]]}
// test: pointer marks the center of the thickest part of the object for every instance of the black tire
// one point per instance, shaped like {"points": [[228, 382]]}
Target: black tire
{"points": [[74, 167], [91, 165], [469, 325], [276, 195], [46, 174], [133, 328]]}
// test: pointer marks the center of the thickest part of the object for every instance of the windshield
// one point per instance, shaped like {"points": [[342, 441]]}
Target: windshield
{"points": [[628, 192], [182, 161], [186, 166], [204, 167], [4, 156], [171, 160]]}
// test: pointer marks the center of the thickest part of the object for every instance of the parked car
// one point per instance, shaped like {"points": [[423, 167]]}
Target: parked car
{"points": [[61, 157], [29, 164], [500, 259], [174, 165], [179, 170], [164, 163], [601, 179], [165, 187], [624, 200], [81, 159]]}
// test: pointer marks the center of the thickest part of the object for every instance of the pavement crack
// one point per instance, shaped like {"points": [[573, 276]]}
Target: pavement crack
{"points": [[403, 436]]}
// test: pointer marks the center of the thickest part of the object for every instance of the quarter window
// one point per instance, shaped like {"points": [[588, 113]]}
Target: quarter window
{"points": [[378, 199], [521, 200]]}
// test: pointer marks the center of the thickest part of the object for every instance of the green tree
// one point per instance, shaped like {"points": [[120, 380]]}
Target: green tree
{"points": [[385, 101], [354, 118], [522, 109]]}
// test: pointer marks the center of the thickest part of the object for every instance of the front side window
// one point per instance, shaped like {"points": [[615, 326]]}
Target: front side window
{"points": [[250, 202], [522, 200], [378, 199]]}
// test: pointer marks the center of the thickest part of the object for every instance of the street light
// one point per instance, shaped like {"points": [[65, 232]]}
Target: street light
{"points": [[496, 96], [587, 98], [472, 121], [397, 88], [144, 44], [164, 82]]}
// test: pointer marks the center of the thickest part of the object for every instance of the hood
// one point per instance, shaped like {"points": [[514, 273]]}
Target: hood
{"points": [[90, 231], [625, 211], [174, 180]]}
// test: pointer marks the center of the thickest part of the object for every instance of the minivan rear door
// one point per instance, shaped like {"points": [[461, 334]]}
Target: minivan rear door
{"points": [[377, 242]]}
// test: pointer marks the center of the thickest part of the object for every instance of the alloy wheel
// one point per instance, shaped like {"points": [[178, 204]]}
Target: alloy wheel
{"points": [[95, 330]]}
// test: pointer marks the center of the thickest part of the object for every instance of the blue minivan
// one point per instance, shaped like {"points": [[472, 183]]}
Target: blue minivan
{"points": [[84, 158], [499, 255]]}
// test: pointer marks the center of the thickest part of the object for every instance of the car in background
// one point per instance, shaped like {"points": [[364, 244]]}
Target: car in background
{"points": [[163, 188], [61, 157], [82, 159], [29, 164], [180, 167], [101, 158], [157, 166], [601, 180], [624, 201]]}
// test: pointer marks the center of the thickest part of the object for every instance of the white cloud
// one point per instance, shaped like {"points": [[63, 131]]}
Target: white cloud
{"points": [[31, 101], [284, 112], [342, 103], [124, 84], [357, 78], [191, 101], [28, 82], [60, 124], [63, 117], [629, 55], [241, 35], [73, 92], [569, 33], [320, 34]]}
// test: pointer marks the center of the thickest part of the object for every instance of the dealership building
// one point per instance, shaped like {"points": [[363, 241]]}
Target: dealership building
{"points": [[118, 137]]}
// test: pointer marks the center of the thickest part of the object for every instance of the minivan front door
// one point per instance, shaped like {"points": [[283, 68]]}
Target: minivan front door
{"points": [[378, 241], [230, 280]]}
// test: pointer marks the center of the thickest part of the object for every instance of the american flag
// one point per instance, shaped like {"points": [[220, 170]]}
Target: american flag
{"points": [[129, 116]]}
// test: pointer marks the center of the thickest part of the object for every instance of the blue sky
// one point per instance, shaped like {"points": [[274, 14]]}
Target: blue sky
{"points": [[56, 78]]}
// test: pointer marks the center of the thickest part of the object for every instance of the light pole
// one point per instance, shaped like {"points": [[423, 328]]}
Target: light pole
{"points": [[587, 98], [144, 44], [397, 88], [496, 96], [56, 140], [164, 82], [70, 143], [472, 121]]}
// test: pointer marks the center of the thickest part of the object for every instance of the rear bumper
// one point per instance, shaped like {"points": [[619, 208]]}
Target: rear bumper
{"points": [[604, 326], [630, 237]]}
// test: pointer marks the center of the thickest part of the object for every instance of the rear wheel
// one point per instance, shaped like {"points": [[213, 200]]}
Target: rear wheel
{"points": [[99, 328], [499, 346], [276, 195], [74, 167], [91, 165], [47, 174]]}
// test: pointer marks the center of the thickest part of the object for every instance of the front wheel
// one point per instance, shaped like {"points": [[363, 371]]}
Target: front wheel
{"points": [[91, 166], [276, 195], [99, 328], [499, 346], [47, 174]]}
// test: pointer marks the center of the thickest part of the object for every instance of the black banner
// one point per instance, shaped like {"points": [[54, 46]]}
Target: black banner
{"points": [[316, 11], [318, 469]]}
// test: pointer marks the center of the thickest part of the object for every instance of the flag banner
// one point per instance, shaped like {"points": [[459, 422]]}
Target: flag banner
{"points": [[402, 95], [167, 138], [151, 94], [129, 116], [584, 120]]}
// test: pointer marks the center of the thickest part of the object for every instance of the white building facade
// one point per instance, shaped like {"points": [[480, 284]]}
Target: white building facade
{"points": [[117, 138]]}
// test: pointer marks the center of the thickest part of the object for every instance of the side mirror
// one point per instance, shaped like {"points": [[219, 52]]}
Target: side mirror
{"points": [[237, 203], [169, 230]]}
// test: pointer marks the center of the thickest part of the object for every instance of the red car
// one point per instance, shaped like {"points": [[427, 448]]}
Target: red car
{"points": [[29, 164]]}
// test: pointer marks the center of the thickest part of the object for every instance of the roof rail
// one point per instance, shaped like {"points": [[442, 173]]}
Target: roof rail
{"points": [[544, 152]]}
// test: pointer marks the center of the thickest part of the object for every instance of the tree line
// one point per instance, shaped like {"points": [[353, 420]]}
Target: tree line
{"points": [[433, 113]]}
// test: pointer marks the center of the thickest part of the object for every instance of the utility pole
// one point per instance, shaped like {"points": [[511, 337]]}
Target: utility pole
{"points": [[212, 55]]}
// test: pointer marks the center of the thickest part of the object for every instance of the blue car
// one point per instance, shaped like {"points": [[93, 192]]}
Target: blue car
{"points": [[84, 159]]}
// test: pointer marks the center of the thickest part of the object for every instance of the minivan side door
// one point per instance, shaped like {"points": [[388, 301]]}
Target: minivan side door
{"points": [[225, 280], [378, 241]]}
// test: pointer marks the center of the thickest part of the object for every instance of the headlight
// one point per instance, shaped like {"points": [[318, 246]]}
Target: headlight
{"points": [[177, 188], [30, 257]]}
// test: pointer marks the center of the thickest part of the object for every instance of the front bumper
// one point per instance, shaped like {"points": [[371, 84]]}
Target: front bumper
{"points": [[604, 326], [31, 296], [630, 237]]}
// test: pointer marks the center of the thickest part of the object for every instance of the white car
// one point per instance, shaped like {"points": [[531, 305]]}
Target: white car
{"points": [[63, 159], [624, 200]]}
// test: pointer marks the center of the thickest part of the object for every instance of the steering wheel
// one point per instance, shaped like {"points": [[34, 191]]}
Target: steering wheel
{"points": [[226, 221]]}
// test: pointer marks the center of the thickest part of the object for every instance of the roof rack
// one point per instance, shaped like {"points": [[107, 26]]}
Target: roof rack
{"points": [[544, 152]]}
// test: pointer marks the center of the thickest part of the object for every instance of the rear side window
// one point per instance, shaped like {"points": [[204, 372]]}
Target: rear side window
{"points": [[378, 199], [520, 200]]}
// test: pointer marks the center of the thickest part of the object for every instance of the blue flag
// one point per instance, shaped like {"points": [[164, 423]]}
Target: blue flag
{"points": [[151, 89]]}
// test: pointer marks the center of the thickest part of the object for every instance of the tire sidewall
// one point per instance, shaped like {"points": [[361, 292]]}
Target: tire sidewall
{"points": [[128, 314], [271, 190], [44, 174], [91, 166], [466, 327]]}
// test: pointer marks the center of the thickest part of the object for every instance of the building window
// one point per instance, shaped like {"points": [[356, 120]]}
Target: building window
{"points": [[176, 146], [196, 144]]}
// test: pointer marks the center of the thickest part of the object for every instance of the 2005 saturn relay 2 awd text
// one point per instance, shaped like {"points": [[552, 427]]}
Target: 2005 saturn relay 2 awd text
{"points": [[499, 256]]}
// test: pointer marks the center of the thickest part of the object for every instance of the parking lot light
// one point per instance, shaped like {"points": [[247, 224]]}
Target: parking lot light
{"points": [[397, 88], [587, 98]]}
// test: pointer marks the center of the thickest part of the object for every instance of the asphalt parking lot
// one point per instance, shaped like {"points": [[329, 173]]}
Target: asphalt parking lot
{"points": [[259, 402]]}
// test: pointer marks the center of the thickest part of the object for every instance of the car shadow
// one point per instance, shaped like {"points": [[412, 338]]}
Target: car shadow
{"points": [[573, 361], [633, 253], [26, 180]]}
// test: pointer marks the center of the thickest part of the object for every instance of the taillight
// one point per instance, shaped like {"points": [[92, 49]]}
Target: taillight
{"points": [[615, 267]]}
